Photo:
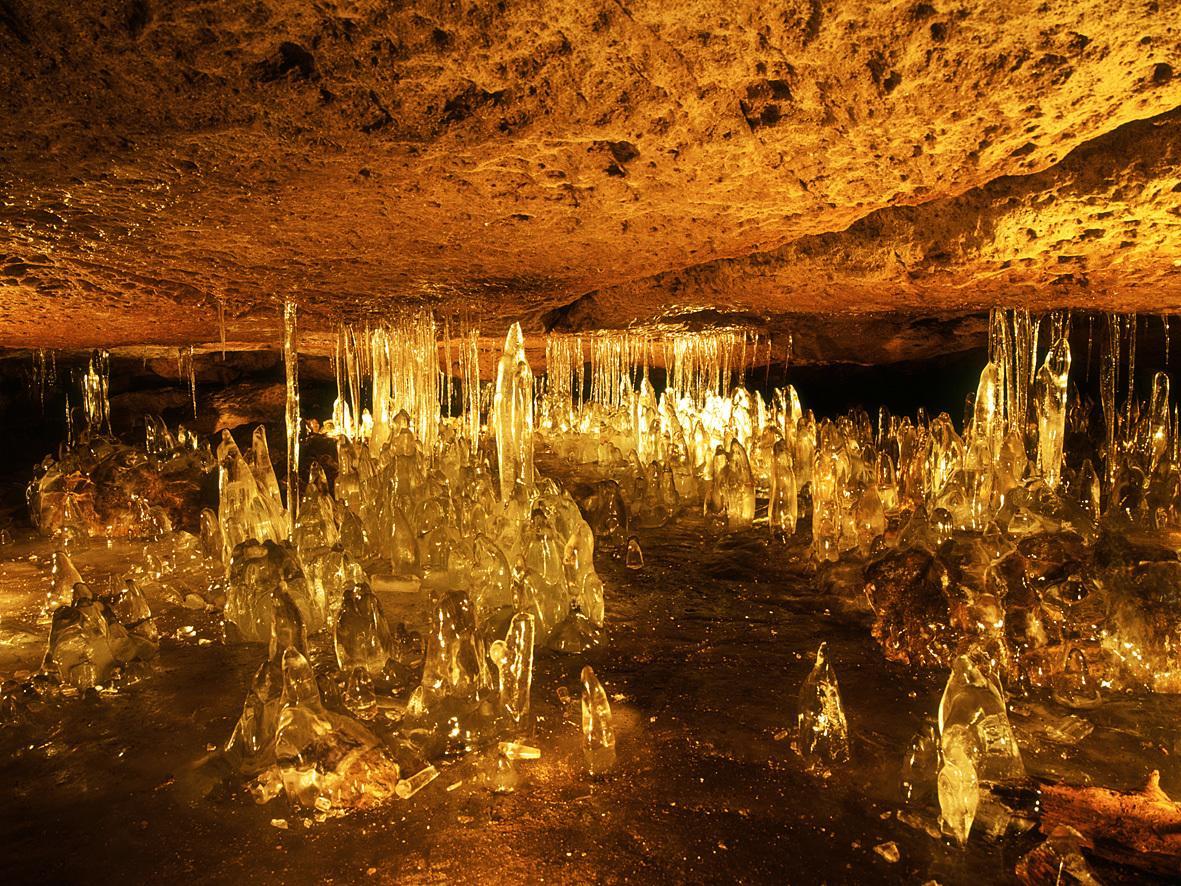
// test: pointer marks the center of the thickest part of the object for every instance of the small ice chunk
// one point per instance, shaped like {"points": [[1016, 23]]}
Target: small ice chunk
{"points": [[517, 751], [823, 733], [888, 851], [408, 787]]}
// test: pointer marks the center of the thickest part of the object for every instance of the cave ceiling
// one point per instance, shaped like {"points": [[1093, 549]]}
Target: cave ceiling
{"points": [[579, 165]]}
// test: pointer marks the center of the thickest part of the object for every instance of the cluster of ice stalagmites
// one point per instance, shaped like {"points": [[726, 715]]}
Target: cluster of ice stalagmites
{"points": [[97, 641], [996, 532], [101, 631], [506, 567]]}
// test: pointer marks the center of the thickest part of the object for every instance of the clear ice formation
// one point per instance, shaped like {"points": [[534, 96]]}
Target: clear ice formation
{"points": [[783, 505], [959, 789], [288, 741], [360, 696], [93, 639], [291, 413], [1051, 410], [920, 768], [65, 577], [822, 733], [249, 508], [253, 740], [513, 657], [507, 557], [975, 703], [266, 579], [408, 787], [634, 558], [512, 416], [598, 733], [316, 529], [455, 664], [325, 759], [361, 635]]}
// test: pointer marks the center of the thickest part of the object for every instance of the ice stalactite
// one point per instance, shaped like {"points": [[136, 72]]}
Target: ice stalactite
{"points": [[96, 404], [221, 325], [404, 367], [187, 373], [44, 374], [292, 419], [469, 364]]}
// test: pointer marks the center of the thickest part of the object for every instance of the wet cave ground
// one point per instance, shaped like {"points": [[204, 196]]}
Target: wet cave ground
{"points": [[705, 651]]}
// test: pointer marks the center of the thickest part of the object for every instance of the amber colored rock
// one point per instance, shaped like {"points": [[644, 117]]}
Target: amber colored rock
{"points": [[1141, 829], [579, 165], [911, 609]]}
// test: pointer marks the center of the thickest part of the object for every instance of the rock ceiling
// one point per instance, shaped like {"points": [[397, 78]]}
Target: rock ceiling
{"points": [[579, 165]]}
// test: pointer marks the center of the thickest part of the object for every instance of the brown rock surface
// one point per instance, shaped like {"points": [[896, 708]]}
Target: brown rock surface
{"points": [[578, 165]]}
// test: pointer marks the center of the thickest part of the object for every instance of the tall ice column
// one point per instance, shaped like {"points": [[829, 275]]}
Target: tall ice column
{"points": [[291, 365]]}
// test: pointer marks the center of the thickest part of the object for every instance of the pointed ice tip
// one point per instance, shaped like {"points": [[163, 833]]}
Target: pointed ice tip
{"points": [[822, 653], [514, 340]]}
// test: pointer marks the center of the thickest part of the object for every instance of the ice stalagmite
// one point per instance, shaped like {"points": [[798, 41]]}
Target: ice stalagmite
{"points": [[634, 557], [987, 417], [360, 697], [303, 731], [248, 506], [740, 492], [823, 734], [454, 664], [870, 517], [1051, 410], [491, 578], [959, 790], [645, 422], [131, 608], [316, 528], [1158, 421], [362, 636], [80, 650], [782, 508], [264, 470], [254, 735], [976, 702], [65, 576], [287, 624], [920, 768], [212, 542], [1088, 489], [259, 573], [402, 548], [513, 657], [513, 415], [598, 734], [543, 586]]}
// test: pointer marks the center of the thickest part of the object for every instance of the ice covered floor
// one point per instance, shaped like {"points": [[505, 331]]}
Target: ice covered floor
{"points": [[705, 652]]}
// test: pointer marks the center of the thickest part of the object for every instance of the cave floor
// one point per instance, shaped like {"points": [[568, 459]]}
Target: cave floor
{"points": [[706, 648]]}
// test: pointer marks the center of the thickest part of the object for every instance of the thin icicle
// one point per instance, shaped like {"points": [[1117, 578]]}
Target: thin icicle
{"points": [[291, 367]]}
